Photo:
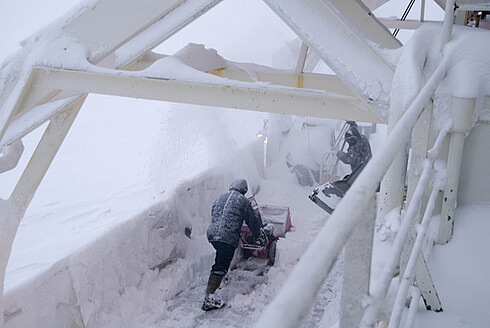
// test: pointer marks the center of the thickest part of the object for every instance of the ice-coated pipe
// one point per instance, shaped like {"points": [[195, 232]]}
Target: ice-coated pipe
{"points": [[412, 312], [408, 276], [447, 26], [462, 112], [380, 288]]}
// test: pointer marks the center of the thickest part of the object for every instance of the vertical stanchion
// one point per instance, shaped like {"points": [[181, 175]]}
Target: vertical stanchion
{"points": [[357, 269], [462, 112]]}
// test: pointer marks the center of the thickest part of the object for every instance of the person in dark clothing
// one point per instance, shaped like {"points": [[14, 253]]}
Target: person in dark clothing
{"points": [[359, 150], [228, 213]]}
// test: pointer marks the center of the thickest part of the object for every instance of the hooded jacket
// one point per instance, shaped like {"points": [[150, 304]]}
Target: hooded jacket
{"points": [[228, 213], [359, 150]]}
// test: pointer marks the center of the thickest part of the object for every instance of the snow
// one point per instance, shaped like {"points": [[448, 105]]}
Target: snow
{"points": [[465, 301], [103, 241]]}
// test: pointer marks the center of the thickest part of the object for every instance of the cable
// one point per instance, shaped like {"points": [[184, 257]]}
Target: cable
{"points": [[404, 16]]}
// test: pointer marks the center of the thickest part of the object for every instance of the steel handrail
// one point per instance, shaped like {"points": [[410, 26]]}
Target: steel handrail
{"points": [[380, 289], [286, 310]]}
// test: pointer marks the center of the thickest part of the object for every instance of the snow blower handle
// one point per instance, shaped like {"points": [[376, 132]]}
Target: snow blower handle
{"points": [[341, 133], [255, 190], [255, 206]]}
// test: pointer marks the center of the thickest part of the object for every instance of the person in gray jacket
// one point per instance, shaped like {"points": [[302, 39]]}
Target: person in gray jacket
{"points": [[228, 213]]}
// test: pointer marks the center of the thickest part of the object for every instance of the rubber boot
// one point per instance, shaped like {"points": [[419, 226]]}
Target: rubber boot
{"points": [[210, 301]]}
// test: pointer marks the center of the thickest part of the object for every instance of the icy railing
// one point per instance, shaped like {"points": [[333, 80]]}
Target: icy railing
{"points": [[380, 289], [293, 302], [299, 292]]}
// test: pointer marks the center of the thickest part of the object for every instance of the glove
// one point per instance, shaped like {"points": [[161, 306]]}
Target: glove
{"points": [[268, 229]]}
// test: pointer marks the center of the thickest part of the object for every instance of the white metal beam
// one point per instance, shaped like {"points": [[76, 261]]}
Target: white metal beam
{"points": [[14, 208], [170, 24], [10, 156], [258, 73], [291, 101], [341, 45], [120, 22], [13, 101], [323, 82], [33, 119], [102, 28], [28, 119], [408, 24], [108, 24], [359, 15]]}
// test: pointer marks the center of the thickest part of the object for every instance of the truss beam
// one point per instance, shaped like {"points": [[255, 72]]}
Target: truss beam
{"points": [[291, 101], [28, 183], [359, 16], [110, 23], [173, 22], [329, 85], [322, 82], [342, 45], [125, 26], [257, 73], [408, 24]]}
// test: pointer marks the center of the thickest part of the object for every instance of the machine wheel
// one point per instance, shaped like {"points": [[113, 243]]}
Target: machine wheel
{"points": [[246, 254], [272, 253]]}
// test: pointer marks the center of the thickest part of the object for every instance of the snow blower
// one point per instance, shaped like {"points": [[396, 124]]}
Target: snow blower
{"points": [[276, 222], [329, 194]]}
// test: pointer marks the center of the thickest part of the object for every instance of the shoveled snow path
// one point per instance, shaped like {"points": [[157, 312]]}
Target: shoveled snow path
{"points": [[247, 290], [251, 286]]}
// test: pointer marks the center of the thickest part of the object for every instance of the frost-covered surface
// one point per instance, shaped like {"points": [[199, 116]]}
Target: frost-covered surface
{"points": [[160, 30], [110, 241], [119, 180], [336, 231], [357, 65], [459, 270]]}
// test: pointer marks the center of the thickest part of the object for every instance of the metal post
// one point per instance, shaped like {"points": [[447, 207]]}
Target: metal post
{"points": [[420, 145], [393, 183], [300, 65], [357, 269], [11, 155], [447, 27], [28, 183], [412, 312], [462, 112]]}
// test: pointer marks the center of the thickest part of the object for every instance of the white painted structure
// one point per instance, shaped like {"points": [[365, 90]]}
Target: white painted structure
{"points": [[118, 62]]}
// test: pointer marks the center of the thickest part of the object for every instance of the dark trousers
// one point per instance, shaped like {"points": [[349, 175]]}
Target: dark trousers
{"points": [[224, 255]]}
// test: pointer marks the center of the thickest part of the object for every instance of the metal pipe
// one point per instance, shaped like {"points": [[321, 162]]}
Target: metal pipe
{"points": [[412, 311], [447, 26], [462, 112], [300, 65], [381, 287], [408, 276], [287, 310]]}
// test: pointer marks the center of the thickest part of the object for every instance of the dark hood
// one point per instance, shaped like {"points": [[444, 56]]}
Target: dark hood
{"points": [[239, 185]]}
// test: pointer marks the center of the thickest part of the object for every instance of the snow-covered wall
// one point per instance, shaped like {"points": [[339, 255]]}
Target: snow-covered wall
{"points": [[98, 284]]}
